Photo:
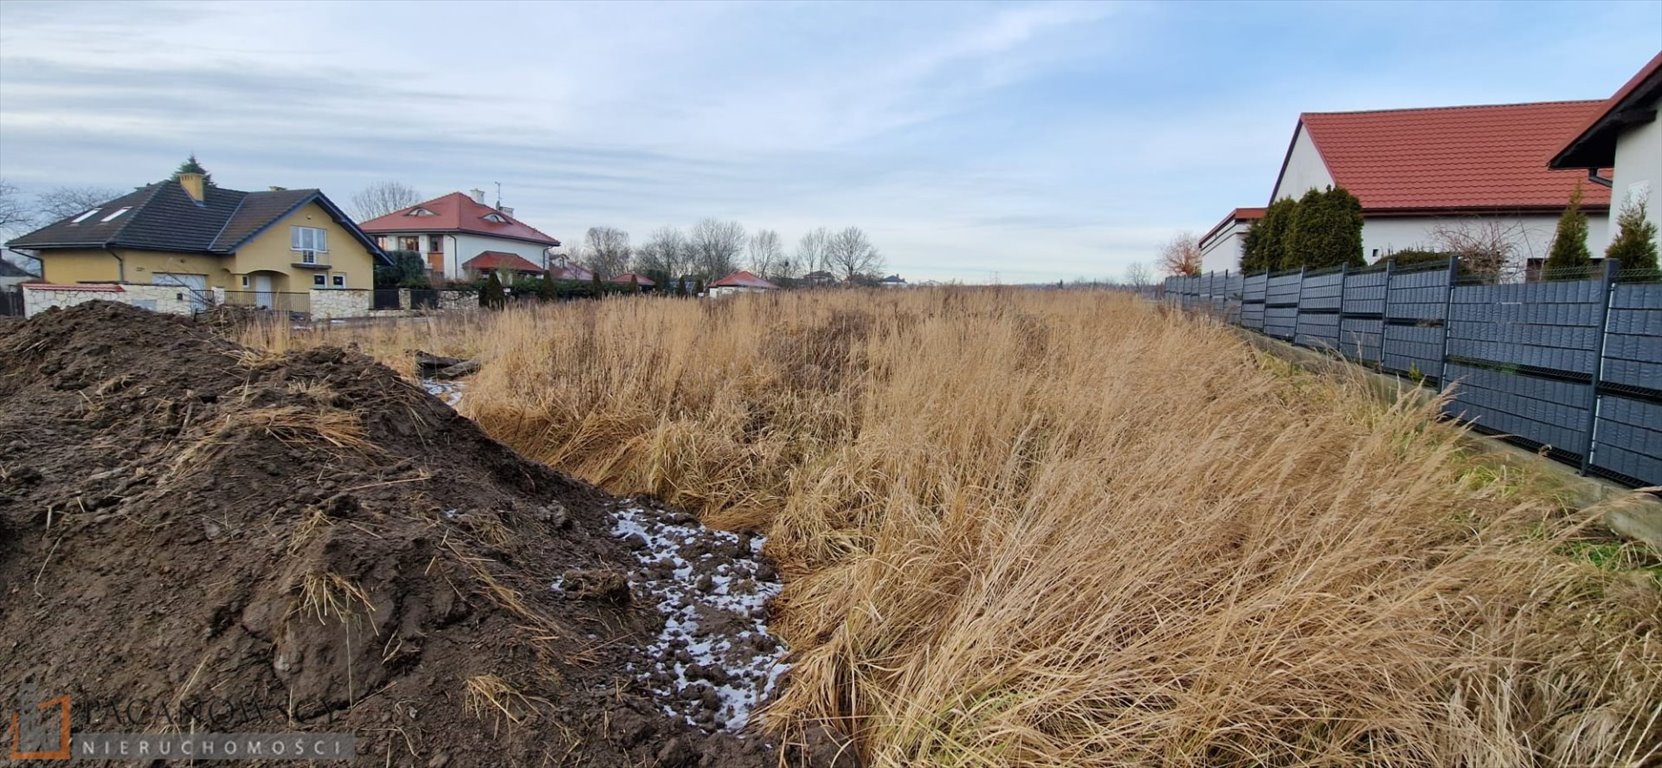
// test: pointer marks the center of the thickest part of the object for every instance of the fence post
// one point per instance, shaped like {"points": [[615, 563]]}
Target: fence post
{"points": [[1385, 311], [1607, 287], [1448, 309], [1298, 304]]}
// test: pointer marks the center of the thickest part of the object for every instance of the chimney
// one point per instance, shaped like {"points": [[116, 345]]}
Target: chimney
{"points": [[478, 196], [192, 182], [506, 211]]}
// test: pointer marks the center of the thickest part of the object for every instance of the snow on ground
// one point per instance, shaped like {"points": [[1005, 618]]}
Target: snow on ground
{"points": [[448, 391], [714, 662]]}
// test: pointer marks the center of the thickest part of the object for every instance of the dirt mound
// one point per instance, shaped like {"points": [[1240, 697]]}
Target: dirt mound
{"points": [[195, 536]]}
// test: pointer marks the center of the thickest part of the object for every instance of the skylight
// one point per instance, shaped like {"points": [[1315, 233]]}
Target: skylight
{"points": [[112, 216], [420, 212], [496, 218], [85, 216]]}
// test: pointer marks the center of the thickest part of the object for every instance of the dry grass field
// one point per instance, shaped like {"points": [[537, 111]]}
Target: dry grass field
{"points": [[1070, 528]]}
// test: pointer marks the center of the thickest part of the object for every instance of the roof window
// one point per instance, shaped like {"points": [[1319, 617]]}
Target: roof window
{"points": [[112, 216], [85, 216], [496, 217], [419, 212]]}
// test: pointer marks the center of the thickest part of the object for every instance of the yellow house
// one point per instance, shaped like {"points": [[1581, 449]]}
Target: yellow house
{"points": [[259, 247]]}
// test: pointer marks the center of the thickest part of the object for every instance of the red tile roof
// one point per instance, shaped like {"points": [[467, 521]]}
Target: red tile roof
{"points": [[500, 260], [741, 279], [1454, 158], [1595, 145], [572, 272], [642, 280], [456, 212]]}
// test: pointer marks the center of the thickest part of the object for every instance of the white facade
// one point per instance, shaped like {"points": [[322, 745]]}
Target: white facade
{"points": [[730, 290], [1638, 171], [1222, 249], [1305, 169], [461, 246], [1530, 235]]}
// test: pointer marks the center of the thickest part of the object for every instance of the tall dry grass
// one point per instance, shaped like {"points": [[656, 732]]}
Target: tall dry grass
{"points": [[1025, 528]]}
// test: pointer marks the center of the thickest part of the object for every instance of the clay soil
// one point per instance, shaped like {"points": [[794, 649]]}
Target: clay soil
{"points": [[196, 536]]}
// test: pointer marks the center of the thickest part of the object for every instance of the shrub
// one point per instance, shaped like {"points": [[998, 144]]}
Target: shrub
{"points": [[1569, 258], [1325, 232], [407, 270], [1635, 245], [491, 296], [1263, 249]]}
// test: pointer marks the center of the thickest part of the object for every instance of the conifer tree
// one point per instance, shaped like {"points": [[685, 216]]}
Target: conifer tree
{"points": [[1569, 258]]}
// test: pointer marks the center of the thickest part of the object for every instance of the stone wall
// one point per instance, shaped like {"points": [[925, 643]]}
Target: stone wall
{"points": [[330, 304], [454, 300], [173, 300]]}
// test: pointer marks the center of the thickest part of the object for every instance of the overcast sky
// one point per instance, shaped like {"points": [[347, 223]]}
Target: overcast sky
{"points": [[1010, 141]]}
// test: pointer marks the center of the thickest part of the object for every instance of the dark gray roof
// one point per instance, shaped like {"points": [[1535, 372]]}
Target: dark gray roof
{"points": [[163, 217]]}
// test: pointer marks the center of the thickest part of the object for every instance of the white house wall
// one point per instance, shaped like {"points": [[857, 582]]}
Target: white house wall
{"points": [[1305, 169], [1530, 236], [1638, 173], [1223, 250]]}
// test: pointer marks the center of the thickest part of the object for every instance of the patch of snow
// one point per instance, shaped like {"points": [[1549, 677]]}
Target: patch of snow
{"points": [[714, 661], [448, 391]]}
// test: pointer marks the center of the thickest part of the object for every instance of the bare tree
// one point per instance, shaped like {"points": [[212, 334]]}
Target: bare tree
{"points": [[851, 254], [606, 250], [1181, 256], [812, 250], [664, 252], [1139, 275], [766, 253], [381, 199], [716, 246], [64, 202], [1485, 248], [15, 215]]}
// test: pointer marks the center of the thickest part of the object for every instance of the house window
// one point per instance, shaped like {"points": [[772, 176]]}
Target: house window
{"points": [[85, 216], [112, 216], [317, 281], [340, 281], [381, 242], [245, 281], [309, 241], [435, 243], [409, 243]]}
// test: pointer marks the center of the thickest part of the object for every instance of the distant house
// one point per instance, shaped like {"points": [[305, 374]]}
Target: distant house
{"points": [[12, 275], [819, 278], [635, 278], [1418, 170], [572, 272], [1222, 246], [193, 237], [507, 266], [452, 230], [739, 282], [1625, 136], [892, 281]]}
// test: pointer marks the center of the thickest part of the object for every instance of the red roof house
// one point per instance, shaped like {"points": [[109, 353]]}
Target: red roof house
{"points": [[1624, 136], [1416, 170], [1221, 246], [446, 229], [500, 261], [739, 282], [632, 277]]}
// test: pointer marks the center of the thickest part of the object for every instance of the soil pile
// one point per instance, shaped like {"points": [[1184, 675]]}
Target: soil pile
{"points": [[197, 536]]}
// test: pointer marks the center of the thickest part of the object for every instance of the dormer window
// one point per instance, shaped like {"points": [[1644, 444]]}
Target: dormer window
{"points": [[85, 216], [495, 218], [419, 212], [112, 216]]}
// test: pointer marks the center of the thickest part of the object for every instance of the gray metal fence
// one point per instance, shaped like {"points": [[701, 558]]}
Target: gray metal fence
{"points": [[1571, 368]]}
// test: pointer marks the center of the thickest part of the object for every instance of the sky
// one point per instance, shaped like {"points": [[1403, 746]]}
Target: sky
{"points": [[1008, 142]]}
